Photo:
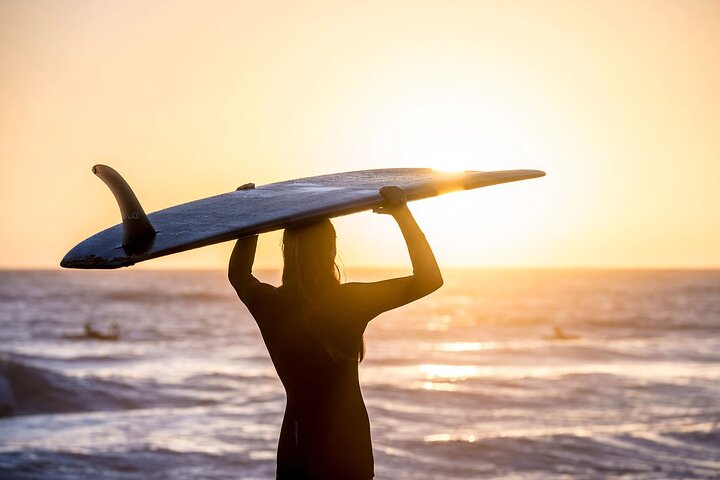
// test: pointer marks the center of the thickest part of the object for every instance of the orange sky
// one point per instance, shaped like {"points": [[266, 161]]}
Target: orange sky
{"points": [[617, 101]]}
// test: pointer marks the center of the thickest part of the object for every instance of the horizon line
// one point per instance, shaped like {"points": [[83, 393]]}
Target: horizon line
{"points": [[393, 267]]}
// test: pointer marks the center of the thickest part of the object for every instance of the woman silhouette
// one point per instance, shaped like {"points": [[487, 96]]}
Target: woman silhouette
{"points": [[313, 328]]}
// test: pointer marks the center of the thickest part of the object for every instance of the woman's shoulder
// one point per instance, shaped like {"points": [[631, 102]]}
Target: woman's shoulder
{"points": [[352, 294]]}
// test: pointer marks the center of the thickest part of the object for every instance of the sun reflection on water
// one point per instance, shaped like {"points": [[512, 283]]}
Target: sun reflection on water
{"points": [[449, 372], [465, 346], [638, 429], [437, 386]]}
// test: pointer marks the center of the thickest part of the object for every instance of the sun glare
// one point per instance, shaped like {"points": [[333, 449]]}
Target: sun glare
{"points": [[453, 135]]}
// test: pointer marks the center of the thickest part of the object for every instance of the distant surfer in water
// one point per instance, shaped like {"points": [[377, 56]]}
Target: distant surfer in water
{"points": [[90, 333], [559, 334], [313, 328]]}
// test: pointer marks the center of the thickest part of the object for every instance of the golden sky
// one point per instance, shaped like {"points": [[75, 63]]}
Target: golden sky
{"points": [[619, 102]]}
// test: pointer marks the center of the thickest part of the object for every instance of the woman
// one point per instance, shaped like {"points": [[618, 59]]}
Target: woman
{"points": [[313, 329]]}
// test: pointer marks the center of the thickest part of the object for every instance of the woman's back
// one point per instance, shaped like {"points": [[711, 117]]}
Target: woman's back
{"points": [[326, 427]]}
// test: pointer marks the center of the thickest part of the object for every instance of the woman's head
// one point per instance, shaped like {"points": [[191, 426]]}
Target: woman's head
{"points": [[309, 255], [309, 268]]}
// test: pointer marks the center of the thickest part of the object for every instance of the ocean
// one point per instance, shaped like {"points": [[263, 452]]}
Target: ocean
{"points": [[471, 382]]}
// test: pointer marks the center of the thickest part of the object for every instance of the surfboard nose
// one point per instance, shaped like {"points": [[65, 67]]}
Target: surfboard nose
{"points": [[78, 260]]}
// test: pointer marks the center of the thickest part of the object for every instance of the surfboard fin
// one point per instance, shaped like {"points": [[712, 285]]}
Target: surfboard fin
{"points": [[137, 228]]}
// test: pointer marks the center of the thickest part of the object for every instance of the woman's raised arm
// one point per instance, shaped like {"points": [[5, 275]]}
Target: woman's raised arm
{"points": [[426, 278], [240, 269]]}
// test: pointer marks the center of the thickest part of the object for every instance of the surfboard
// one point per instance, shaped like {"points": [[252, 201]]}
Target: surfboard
{"points": [[252, 210]]}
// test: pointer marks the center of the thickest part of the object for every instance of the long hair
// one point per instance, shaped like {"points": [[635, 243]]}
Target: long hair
{"points": [[309, 267]]}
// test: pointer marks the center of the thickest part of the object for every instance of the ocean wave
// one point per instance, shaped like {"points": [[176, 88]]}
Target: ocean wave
{"points": [[675, 451], [227, 382], [74, 358], [145, 463], [162, 296], [135, 296], [654, 321], [28, 390]]}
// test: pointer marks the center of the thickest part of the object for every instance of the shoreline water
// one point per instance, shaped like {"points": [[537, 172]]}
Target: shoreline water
{"points": [[467, 383]]}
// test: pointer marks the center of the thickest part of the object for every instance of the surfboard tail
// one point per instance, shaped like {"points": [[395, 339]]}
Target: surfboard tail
{"points": [[137, 229]]}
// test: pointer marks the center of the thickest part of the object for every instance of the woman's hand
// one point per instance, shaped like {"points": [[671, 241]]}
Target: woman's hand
{"points": [[395, 201]]}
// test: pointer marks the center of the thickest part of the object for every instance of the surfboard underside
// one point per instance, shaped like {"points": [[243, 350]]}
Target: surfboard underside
{"points": [[272, 207]]}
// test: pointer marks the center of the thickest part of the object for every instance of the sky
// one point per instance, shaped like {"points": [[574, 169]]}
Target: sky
{"points": [[619, 102]]}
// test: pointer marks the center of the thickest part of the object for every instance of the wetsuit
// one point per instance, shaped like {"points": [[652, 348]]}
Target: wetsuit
{"points": [[325, 432]]}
